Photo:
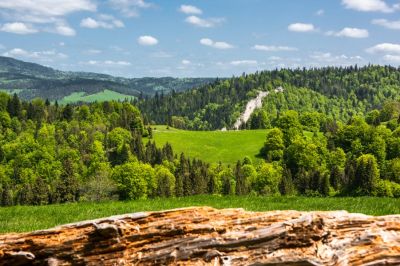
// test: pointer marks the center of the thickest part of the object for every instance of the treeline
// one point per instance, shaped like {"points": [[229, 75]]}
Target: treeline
{"points": [[340, 92], [53, 154]]}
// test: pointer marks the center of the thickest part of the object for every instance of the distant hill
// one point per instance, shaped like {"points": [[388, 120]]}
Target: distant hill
{"points": [[32, 80]]}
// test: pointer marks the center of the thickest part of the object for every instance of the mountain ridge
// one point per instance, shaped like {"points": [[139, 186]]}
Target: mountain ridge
{"points": [[35, 80]]}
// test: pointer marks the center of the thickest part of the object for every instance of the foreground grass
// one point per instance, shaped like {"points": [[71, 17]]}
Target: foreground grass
{"points": [[28, 218], [106, 95]]}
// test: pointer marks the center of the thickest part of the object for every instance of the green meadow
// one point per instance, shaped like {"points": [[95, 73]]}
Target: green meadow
{"points": [[28, 218], [105, 95], [226, 147], [212, 146]]}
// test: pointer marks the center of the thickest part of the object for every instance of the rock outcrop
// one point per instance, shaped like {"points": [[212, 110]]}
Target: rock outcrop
{"points": [[207, 236]]}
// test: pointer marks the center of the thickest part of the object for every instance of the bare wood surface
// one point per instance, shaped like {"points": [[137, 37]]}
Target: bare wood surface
{"points": [[207, 236]]}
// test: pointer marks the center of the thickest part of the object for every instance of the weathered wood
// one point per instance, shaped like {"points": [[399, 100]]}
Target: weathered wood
{"points": [[206, 236]]}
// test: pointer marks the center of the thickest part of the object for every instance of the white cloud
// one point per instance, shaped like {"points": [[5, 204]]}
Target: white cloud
{"points": [[188, 9], [385, 48], [129, 8], [46, 8], [243, 62], [368, 5], [350, 33], [329, 58], [186, 62], [392, 58], [320, 12], [393, 25], [274, 58], [65, 30], [204, 23], [33, 12], [103, 21], [107, 63], [217, 45], [147, 40], [273, 48], [18, 28], [301, 27], [46, 56]]}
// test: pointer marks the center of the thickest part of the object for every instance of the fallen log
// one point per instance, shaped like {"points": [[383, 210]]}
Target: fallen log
{"points": [[207, 236]]}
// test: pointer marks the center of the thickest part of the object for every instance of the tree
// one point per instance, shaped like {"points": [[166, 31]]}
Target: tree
{"points": [[274, 145], [228, 182], [366, 175], [131, 181], [40, 192], [268, 178], [165, 182], [67, 112]]}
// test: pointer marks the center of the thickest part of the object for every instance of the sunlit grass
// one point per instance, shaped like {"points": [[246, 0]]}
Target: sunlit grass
{"points": [[28, 218]]}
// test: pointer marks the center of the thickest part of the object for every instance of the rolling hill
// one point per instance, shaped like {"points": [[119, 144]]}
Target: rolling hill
{"points": [[32, 80]]}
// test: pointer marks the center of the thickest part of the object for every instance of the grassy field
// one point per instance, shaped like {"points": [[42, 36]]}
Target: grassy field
{"points": [[27, 218], [106, 95], [212, 146], [226, 147]]}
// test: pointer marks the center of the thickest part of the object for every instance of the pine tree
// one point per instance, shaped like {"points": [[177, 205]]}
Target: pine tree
{"points": [[40, 192], [6, 196]]}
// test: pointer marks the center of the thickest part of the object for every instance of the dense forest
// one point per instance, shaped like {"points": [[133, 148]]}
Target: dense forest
{"points": [[337, 92], [56, 154]]}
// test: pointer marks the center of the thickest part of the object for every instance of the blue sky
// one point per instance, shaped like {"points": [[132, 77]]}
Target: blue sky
{"points": [[136, 38]]}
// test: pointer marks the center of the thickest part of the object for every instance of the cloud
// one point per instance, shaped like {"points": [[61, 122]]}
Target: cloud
{"points": [[392, 58], [320, 12], [368, 5], [243, 62], [103, 21], [350, 33], [301, 27], [18, 28], [107, 63], [186, 62], [330, 59], [147, 40], [45, 8], [273, 48], [63, 29], [33, 12], [204, 23], [384, 48], [129, 8], [188, 9], [217, 45], [47, 56], [393, 25]]}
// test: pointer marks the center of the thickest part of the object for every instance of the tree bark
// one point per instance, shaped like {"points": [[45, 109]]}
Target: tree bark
{"points": [[207, 236]]}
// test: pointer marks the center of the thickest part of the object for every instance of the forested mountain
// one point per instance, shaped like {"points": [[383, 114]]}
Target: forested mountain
{"points": [[91, 152], [338, 92], [33, 80]]}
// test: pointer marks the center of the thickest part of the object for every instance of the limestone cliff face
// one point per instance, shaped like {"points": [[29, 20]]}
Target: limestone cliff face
{"points": [[206, 236]]}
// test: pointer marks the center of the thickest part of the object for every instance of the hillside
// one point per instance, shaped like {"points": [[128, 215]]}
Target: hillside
{"points": [[337, 92], [226, 147], [33, 80]]}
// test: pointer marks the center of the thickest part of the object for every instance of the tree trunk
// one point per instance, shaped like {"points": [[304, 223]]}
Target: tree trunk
{"points": [[206, 236]]}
